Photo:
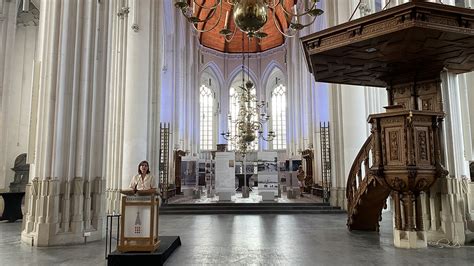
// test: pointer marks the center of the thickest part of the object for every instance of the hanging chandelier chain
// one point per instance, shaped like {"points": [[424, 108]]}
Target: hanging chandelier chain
{"points": [[251, 116]]}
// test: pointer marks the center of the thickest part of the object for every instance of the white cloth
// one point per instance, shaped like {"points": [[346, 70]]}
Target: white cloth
{"points": [[140, 183]]}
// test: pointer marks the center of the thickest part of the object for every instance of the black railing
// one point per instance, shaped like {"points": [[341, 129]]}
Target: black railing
{"points": [[109, 226]]}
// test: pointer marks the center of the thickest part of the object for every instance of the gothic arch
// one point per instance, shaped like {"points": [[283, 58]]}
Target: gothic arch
{"points": [[272, 71], [213, 68], [270, 68], [236, 72]]}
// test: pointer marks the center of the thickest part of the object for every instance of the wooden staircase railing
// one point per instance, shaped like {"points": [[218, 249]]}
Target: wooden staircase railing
{"points": [[365, 194]]}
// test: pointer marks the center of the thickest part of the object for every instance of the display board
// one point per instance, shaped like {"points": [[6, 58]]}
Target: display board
{"points": [[189, 168], [225, 171], [291, 168], [267, 172]]}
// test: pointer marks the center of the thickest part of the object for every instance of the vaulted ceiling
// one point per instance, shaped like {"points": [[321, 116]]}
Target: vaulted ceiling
{"points": [[212, 39]]}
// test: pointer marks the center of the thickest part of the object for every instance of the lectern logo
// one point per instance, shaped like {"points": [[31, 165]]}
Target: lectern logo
{"points": [[138, 225]]}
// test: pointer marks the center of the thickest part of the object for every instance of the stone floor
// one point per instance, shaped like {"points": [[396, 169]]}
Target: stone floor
{"points": [[250, 240]]}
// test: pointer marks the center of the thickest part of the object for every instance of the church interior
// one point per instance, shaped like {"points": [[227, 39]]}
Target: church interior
{"points": [[305, 132]]}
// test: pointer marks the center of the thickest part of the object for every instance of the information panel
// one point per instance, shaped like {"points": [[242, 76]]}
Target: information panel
{"points": [[225, 172], [267, 172]]}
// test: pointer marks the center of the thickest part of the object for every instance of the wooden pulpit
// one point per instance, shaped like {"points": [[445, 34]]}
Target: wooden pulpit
{"points": [[139, 223]]}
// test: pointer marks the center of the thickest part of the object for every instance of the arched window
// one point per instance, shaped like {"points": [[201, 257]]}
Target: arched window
{"points": [[234, 114], [278, 117], [206, 117]]}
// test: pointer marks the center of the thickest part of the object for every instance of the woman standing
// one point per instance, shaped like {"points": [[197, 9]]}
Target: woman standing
{"points": [[143, 181]]}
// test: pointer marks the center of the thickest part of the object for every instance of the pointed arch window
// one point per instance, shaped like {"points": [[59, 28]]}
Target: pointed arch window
{"points": [[206, 117], [278, 117]]}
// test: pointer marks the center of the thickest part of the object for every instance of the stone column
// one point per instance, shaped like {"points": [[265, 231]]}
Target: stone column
{"points": [[115, 87], [137, 90], [67, 123], [447, 209], [349, 108], [133, 93], [8, 17], [180, 93], [141, 86]]}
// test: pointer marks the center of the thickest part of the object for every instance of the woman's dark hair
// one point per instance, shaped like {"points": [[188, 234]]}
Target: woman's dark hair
{"points": [[141, 163]]}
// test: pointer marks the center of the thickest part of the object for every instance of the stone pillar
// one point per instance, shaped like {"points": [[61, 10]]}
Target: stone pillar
{"points": [[67, 123], [180, 93], [141, 86], [348, 105], [115, 90], [137, 89], [133, 93], [447, 216], [8, 17]]}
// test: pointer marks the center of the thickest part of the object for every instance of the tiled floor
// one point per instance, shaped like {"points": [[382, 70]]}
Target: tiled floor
{"points": [[250, 240]]}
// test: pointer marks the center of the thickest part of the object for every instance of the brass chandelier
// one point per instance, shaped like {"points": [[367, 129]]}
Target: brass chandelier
{"points": [[250, 15], [249, 121], [251, 116]]}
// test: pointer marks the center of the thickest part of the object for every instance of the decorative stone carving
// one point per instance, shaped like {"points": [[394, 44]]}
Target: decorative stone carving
{"points": [[30, 18], [22, 170]]}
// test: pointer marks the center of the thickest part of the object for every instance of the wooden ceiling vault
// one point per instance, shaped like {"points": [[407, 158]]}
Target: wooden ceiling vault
{"points": [[407, 43], [214, 40]]}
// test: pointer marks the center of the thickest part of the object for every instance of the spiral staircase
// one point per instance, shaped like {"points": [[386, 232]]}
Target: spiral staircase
{"points": [[365, 194]]}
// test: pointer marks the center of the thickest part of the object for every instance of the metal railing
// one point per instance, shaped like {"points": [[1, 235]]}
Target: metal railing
{"points": [[109, 226]]}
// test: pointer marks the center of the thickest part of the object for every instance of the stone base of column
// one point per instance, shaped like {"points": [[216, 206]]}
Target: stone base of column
{"points": [[453, 202], [44, 228], [409, 239], [453, 231], [338, 197], [48, 238]]}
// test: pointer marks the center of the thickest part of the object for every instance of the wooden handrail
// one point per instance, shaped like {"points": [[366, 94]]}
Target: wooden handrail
{"points": [[355, 178]]}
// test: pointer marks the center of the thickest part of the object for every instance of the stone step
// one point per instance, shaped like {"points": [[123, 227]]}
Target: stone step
{"points": [[250, 208], [232, 204]]}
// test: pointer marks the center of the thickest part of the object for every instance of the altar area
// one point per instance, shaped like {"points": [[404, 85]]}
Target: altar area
{"points": [[254, 197]]}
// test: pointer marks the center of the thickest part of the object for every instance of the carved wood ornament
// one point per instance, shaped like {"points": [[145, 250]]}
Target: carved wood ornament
{"points": [[403, 49]]}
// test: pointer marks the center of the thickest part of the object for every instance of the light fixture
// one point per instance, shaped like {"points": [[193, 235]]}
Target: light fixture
{"points": [[249, 15], [250, 120], [251, 115]]}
